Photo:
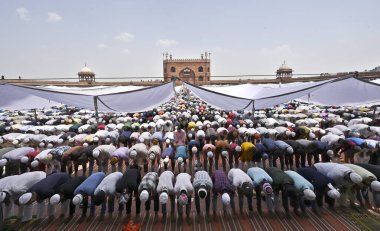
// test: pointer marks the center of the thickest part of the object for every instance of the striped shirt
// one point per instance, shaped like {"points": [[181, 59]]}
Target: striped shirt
{"points": [[202, 178], [149, 182], [221, 182]]}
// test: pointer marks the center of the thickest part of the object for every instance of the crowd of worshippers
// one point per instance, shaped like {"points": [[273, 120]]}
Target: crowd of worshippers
{"points": [[291, 157]]}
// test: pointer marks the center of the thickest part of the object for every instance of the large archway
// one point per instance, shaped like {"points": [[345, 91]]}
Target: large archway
{"points": [[187, 75]]}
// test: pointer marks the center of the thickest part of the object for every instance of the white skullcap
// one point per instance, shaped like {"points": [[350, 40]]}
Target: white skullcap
{"points": [[163, 198], [60, 141], [77, 199], [180, 160], [34, 163], [190, 136], [152, 156], [330, 153], [293, 134], [25, 198], [108, 140], [312, 135], [96, 153], [224, 153], [356, 178], [15, 142], [3, 195], [144, 195], [55, 199], [199, 127], [71, 140], [375, 185], [309, 194], [96, 139], [24, 159], [80, 130], [85, 144], [26, 140], [133, 153], [167, 141], [41, 145], [141, 139], [333, 193], [238, 148], [226, 199], [322, 131], [3, 162], [166, 160], [290, 150], [50, 145], [37, 132], [194, 149], [210, 154]]}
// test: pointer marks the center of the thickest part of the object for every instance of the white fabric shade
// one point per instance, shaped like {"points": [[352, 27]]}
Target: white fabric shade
{"points": [[347, 91], [26, 97]]}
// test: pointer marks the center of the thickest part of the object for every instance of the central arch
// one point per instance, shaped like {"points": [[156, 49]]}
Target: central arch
{"points": [[187, 75]]}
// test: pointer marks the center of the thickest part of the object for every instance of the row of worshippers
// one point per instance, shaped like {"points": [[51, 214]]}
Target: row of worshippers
{"points": [[341, 183]]}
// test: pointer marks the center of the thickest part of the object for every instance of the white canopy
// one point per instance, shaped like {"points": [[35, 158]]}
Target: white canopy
{"points": [[344, 92], [26, 97], [12, 98], [263, 98]]}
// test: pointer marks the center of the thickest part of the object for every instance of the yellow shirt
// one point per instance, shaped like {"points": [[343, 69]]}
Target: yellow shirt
{"points": [[247, 149]]}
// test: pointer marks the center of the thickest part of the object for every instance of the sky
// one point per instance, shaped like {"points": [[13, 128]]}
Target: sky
{"points": [[120, 38]]}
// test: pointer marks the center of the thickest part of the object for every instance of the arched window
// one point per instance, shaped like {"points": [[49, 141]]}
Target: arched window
{"points": [[200, 78], [200, 69], [186, 71], [172, 69]]}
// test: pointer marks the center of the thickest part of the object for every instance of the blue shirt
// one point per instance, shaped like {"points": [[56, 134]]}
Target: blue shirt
{"points": [[300, 183], [89, 185], [258, 175]]}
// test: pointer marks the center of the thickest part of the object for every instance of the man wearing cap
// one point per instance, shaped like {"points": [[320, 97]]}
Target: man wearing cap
{"points": [[40, 191], [7, 209], [165, 190], [127, 187], [3, 151], [344, 177], [243, 184], [233, 155], [139, 154], [154, 154], [304, 152], [202, 184], [183, 189], [284, 183], [147, 191], [119, 156], [322, 184], [283, 151], [208, 152], [102, 154], [369, 181], [65, 194], [181, 156], [18, 158], [106, 189], [262, 182], [221, 149], [246, 154], [68, 157], [86, 189], [375, 170], [222, 187], [305, 191], [19, 185], [193, 148], [271, 149]]}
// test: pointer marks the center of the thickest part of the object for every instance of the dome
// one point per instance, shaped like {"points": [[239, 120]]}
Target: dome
{"points": [[284, 67], [86, 70]]}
